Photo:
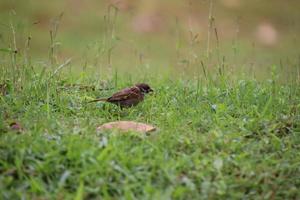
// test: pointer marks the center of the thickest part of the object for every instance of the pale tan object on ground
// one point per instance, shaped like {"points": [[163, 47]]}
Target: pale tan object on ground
{"points": [[127, 126], [267, 34]]}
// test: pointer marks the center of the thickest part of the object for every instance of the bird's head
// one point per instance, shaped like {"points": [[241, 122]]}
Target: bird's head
{"points": [[145, 88]]}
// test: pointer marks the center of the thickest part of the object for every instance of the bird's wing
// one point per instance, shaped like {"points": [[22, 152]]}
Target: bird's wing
{"points": [[125, 94]]}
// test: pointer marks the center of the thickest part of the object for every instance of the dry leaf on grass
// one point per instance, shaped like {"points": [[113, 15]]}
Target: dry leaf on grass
{"points": [[127, 126], [3, 89], [16, 126]]}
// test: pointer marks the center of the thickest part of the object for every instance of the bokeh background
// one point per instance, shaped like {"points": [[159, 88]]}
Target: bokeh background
{"points": [[157, 36]]}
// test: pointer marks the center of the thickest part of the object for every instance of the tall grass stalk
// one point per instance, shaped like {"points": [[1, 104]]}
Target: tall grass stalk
{"points": [[210, 28], [53, 43]]}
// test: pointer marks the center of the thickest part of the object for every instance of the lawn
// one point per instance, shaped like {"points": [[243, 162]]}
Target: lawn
{"points": [[216, 138], [226, 104]]}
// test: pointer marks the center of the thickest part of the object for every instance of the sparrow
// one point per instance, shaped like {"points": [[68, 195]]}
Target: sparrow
{"points": [[128, 97]]}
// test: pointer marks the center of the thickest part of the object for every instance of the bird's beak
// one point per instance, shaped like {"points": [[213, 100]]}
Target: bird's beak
{"points": [[150, 90]]}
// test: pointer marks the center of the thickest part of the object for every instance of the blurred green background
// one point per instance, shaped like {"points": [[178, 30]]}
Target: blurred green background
{"points": [[156, 36]]}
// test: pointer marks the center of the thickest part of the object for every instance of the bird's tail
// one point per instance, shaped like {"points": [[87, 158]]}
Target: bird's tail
{"points": [[96, 100]]}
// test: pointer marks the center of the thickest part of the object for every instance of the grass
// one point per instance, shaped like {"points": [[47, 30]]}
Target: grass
{"points": [[216, 139], [225, 130]]}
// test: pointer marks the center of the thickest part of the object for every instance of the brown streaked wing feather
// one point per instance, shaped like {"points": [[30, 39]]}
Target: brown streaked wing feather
{"points": [[127, 93]]}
